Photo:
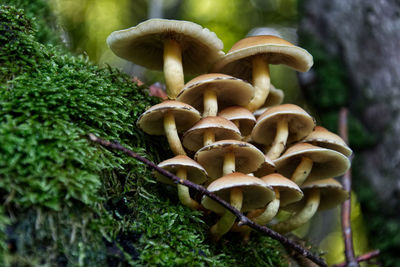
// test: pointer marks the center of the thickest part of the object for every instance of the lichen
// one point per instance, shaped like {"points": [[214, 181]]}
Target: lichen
{"points": [[69, 202]]}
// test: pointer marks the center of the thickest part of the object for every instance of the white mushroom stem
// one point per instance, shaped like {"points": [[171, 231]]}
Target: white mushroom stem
{"points": [[208, 137], [172, 134], [261, 83], [301, 217], [183, 191], [228, 219], [210, 103], [302, 171], [229, 163], [279, 143], [173, 70], [266, 216], [270, 210]]}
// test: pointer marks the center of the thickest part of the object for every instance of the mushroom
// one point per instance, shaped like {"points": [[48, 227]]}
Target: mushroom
{"points": [[169, 45], [242, 191], [318, 195], [275, 97], [241, 117], [186, 169], [208, 130], [210, 92], [227, 156], [303, 162], [323, 138], [286, 192], [250, 57], [168, 118], [279, 125], [268, 167]]}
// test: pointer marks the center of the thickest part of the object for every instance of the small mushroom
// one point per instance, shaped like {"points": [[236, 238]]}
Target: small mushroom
{"points": [[227, 156], [323, 138], [250, 57], [286, 192], [186, 169], [303, 162], [211, 92], [208, 130], [268, 167], [280, 125], [242, 191], [318, 195], [168, 118], [169, 45], [241, 117]]}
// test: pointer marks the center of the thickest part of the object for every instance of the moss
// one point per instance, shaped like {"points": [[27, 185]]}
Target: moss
{"points": [[68, 202]]}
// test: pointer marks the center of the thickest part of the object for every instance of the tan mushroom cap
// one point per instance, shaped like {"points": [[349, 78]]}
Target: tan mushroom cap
{"points": [[268, 167], [195, 172], [230, 91], [332, 194], [245, 118], [221, 127], [144, 44], [152, 120], [323, 138], [256, 194], [326, 162], [247, 157], [237, 61], [275, 97], [300, 124], [289, 191]]}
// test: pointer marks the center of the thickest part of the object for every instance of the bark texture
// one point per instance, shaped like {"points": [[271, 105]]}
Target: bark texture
{"points": [[365, 34]]}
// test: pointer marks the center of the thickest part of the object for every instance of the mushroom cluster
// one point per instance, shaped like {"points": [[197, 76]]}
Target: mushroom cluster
{"points": [[259, 155]]}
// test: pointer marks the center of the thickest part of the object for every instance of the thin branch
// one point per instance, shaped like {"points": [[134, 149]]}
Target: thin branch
{"points": [[365, 257], [351, 260], [243, 220]]}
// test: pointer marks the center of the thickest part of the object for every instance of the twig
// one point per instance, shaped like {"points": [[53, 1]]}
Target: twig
{"points": [[351, 260], [365, 257], [243, 220]]}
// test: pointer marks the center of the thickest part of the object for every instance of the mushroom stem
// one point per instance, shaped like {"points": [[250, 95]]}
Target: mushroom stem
{"points": [[261, 83], [229, 163], [267, 215], [210, 103], [279, 143], [208, 137], [173, 70], [302, 216], [302, 171], [270, 210], [172, 134], [183, 191], [228, 219]]}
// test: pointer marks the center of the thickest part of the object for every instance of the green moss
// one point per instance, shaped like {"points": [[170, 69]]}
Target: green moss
{"points": [[69, 202]]}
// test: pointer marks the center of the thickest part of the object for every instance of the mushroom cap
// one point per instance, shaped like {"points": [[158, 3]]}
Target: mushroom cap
{"points": [[256, 194], [144, 44], [300, 124], [238, 61], [275, 97], [221, 127], [152, 120], [268, 167], [244, 116], [332, 194], [247, 157], [326, 162], [229, 90], [195, 172], [323, 138], [289, 191]]}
